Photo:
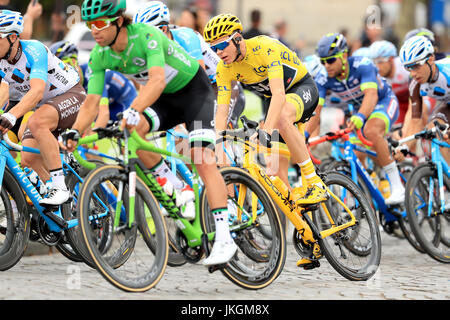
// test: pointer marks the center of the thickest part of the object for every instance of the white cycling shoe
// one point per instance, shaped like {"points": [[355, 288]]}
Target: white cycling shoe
{"points": [[55, 197], [221, 253], [397, 197]]}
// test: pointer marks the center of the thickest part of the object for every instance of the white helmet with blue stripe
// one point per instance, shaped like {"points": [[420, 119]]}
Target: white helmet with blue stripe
{"points": [[312, 64], [11, 21], [415, 49], [154, 13], [382, 49]]}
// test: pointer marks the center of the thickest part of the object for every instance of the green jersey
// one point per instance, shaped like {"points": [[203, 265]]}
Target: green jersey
{"points": [[147, 47]]}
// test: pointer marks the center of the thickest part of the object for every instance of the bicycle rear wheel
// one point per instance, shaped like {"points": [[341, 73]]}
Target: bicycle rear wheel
{"points": [[427, 223], [261, 245], [354, 252], [143, 245]]}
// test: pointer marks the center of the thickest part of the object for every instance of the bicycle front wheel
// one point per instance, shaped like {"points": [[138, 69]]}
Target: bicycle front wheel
{"points": [[132, 257], [261, 242], [428, 224], [354, 252]]}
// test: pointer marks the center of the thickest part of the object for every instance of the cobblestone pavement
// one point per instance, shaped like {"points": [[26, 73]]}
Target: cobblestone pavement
{"points": [[404, 274]]}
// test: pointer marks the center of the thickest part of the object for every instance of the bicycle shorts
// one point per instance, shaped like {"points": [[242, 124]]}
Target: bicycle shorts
{"points": [[387, 110], [67, 105], [441, 112], [192, 105], [304, 95]]}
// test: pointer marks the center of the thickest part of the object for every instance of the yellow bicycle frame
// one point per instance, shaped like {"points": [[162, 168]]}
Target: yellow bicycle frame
{"points": [[290, 209]]}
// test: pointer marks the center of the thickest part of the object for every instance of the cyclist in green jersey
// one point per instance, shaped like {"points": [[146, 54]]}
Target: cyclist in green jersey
{"points": [[174, 87]]}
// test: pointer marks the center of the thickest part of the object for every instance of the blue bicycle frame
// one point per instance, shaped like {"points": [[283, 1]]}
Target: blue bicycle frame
{"points": [[357, 168], [6, 160]]}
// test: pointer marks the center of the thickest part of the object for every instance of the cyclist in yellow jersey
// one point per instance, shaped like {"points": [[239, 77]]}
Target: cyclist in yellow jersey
{"points": [[265, 65]]}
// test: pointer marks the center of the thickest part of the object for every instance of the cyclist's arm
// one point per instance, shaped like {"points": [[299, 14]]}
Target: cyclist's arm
{"points": [[152, 89], [413, 119], [31, 98], [4, 93], [369, 102], [88, 112], [103, 113], [223, 99], [276, 104]]}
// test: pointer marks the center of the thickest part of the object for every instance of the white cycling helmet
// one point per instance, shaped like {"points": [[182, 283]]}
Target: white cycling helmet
{"points": [[415, 49], [154, 13], [312, 64], [382, 49], [11, 21]]}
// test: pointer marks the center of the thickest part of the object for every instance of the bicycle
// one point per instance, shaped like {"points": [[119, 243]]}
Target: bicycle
{"points": [[52, 225], [427, 196], [352, 166], [329, 228], [191, 238]]}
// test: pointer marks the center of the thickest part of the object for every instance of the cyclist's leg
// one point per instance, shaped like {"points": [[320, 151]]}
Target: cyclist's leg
{"points": [[377, 126], [45, 125], [199, 118], [301, 101]]}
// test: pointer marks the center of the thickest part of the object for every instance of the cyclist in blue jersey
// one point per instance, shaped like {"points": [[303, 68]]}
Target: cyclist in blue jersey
{"points": [[356, 80], [156, 13], [38, 80], [429, 78]]}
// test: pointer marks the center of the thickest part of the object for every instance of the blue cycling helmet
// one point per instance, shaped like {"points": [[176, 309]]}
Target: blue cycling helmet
{"points": [[382, 49], [313, 65], [331, 44], [415, 49], [155, 13], [64, 49]]}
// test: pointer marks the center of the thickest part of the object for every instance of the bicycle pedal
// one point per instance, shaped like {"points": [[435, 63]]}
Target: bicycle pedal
{"points": [[216, 267], [308, 264]]}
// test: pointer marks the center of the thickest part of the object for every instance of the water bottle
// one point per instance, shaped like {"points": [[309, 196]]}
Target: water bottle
{"points": [[35, 181]]}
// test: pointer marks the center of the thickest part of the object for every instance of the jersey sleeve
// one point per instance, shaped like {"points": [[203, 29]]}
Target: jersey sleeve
{"points": [[153, 43], [368, 73], [223, 84], [96, 73], [37, 57], [272, 58]]}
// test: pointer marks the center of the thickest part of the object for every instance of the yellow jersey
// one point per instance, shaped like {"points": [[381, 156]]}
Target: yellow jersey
{"points": [[265, 59]]}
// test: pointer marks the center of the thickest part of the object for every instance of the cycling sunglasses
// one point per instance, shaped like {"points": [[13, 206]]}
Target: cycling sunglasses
{"points": [[100, 24], [331, 59], [411, 67], [222, 45]]}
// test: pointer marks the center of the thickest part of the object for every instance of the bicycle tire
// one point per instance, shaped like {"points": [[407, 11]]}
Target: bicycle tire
{"points": [[243, 269], [417, 189], [120, 276], [336, 247], [20, 226]]}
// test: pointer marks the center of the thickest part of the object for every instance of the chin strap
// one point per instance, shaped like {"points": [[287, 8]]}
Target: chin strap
{"points": [[238, 47], [431, 72], [117, 33], [8, 54]]}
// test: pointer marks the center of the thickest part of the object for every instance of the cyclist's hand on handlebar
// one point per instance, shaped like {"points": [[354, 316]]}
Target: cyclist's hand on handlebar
{"points": [[69, 140], [131, 118], [7, 121]]}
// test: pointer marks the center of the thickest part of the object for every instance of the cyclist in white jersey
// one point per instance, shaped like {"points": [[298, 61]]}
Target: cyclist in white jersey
{"points": [[38, 80], [430, 78]]}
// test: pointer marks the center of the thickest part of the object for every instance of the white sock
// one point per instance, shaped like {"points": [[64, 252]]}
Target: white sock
{"points": [[221, 223], [57, 176], [163, 171], [393, 176]]}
